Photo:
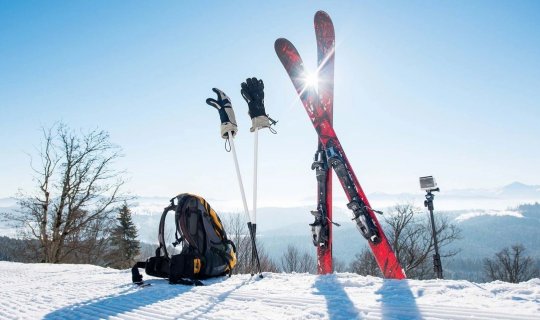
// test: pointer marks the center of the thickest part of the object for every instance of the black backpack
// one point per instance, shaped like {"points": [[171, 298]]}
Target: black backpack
{"points": [[206, 251]]}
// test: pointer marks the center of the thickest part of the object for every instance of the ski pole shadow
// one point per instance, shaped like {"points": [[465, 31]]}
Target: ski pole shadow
{"points": [[398, 301], [338, 302], [215, 302], [119, 303]]}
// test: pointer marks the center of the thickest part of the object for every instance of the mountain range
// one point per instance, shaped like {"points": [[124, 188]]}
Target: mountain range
{"points": [[490, 219]]}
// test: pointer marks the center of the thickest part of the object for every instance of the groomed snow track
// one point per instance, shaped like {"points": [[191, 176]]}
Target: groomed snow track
{"points": [[32, 291]]}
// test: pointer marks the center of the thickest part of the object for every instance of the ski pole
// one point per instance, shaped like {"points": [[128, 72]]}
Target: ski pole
{"points": [[228, 131], [253, 92], [255, 161], [246, 210], [239, 176]]}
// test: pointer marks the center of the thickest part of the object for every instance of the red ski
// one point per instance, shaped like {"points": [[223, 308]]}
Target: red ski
{"points": [[322, 226], [365, 218]]}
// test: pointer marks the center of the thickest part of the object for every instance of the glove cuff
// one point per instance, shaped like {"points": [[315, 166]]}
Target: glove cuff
{"points": [[226, 127], [259, 123]]}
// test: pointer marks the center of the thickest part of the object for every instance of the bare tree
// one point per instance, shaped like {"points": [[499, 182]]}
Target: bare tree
{"points": [[290, 260], [77, 188], [295, 261], [339, 265], [411, 237], [237, 232], [267, 263], [511, 265], [308, 263], [89, 244], [364, 264]]}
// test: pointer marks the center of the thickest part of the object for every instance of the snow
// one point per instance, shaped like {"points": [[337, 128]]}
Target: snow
{"points": [[479, 213], [31, 291]]}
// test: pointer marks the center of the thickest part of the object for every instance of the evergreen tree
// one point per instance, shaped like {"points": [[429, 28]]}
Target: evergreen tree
{"points": [[125, 246]]}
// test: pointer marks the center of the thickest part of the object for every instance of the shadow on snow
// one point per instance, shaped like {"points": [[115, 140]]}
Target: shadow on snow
{"points": [[338, 303], [398, 301], [126, 301], [208, 307]]}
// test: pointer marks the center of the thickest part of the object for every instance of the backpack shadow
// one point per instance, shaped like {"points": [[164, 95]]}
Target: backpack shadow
{"points": [[119, 303]]}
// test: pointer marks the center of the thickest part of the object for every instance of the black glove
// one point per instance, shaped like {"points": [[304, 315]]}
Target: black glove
{"points": [[226, 113], [253, 92]]}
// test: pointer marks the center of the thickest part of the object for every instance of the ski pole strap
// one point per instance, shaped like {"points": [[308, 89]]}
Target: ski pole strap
{"points": [[262, 122], [272, 122]]}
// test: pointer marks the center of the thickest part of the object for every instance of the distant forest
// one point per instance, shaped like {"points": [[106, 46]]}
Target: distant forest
{"points": [[458, 267]]}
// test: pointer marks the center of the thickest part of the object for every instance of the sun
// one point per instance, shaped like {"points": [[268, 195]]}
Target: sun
{"points": [[311, 80]]}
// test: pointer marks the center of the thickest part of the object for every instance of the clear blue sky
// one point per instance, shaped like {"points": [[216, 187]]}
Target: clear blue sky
{"points": [[449, 88]]}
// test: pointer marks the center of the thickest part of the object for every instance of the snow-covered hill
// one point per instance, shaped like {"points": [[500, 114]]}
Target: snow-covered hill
{"points": [[32, 291]]}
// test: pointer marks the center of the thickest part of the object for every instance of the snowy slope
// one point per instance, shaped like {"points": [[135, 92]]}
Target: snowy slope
{"points": [[30, 291]]}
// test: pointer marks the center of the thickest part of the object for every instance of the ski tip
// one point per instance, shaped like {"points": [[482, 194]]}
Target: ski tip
{"points": [[322, 15], [324, 27], [281, 44]]}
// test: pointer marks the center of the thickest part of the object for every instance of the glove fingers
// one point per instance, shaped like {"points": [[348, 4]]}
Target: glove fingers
{"points": [[252, 89], [213, 103], [221, 95], [244, 86], [245, 95]]}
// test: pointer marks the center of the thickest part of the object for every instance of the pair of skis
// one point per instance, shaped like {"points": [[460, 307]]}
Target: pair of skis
{"points": [[319, 106]]}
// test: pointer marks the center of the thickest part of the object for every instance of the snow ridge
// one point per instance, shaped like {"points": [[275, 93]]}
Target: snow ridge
{"points": [[497, 213]]}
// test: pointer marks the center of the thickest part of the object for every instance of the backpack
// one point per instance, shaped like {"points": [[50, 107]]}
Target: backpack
{"points": [[206, 250]]}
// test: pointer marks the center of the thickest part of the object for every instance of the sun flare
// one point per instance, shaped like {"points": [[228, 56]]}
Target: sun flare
{"points": [[311, 80]]}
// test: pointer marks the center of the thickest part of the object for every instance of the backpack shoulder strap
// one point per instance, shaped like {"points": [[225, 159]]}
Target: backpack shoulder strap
{"points": [[161, 230]]}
